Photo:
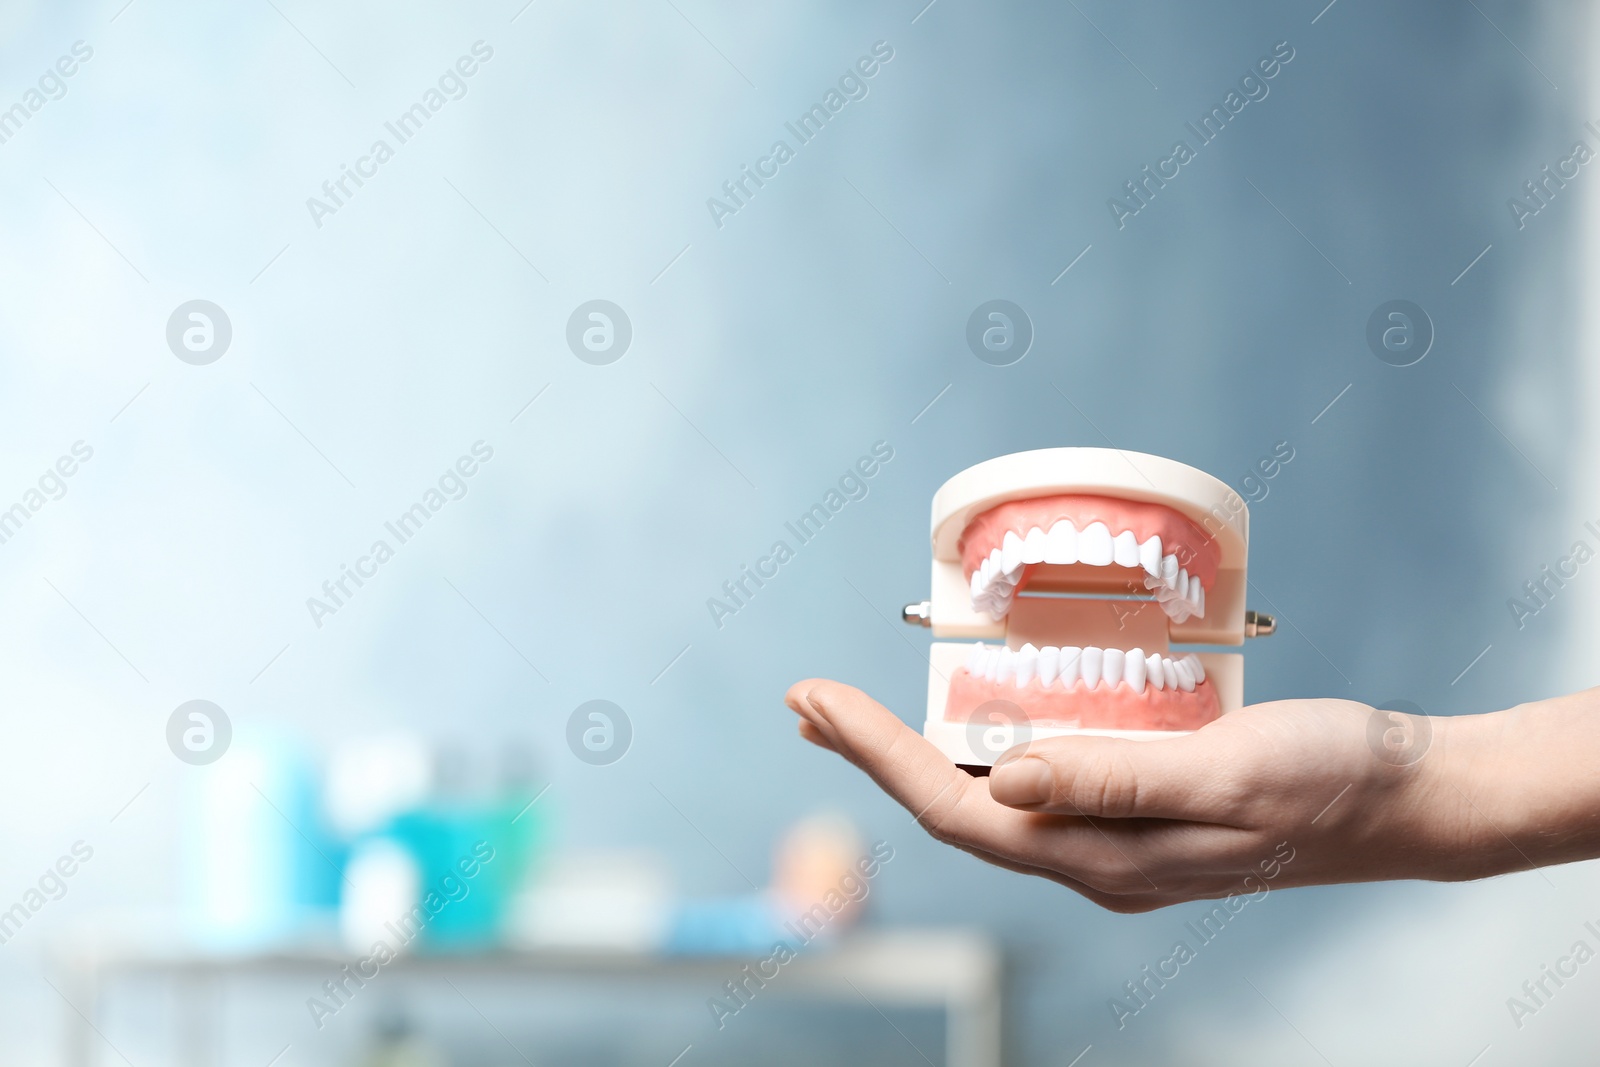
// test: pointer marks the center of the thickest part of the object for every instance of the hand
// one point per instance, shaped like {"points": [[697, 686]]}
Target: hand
{"points": [[1296, 792]]}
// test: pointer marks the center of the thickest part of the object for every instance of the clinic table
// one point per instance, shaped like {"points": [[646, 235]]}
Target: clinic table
{"points": [[958, 971]]}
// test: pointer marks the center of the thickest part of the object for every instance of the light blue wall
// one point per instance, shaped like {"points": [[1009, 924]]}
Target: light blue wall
{"points": [[819, 319]]}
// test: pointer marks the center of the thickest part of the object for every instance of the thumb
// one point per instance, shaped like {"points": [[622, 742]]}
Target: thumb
{"points": [[1117, 778]]}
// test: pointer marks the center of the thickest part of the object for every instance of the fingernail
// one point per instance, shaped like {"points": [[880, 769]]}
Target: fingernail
{"points": [[1023, 781], [803, 707], [1009, 757]]}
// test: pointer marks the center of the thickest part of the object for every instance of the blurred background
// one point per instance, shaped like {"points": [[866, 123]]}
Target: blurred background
{"points": [[244, 345]]}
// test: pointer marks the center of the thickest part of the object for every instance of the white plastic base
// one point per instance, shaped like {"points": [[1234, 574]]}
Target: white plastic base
{"points": [[980, 747]]}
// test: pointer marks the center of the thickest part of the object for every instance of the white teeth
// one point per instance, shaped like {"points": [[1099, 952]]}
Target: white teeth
{"points": [[1094, 545], [1175, 597], [1010, 552], [1050, 667], [1179, 593], [995, 585], [1125, 549], [1062, 544], [1150, 556], [995, 580], [1093, 660], [1028, 662], [1152, 667], [1071, 658], [1111, 666], [1033, 546], [1133, 670], [1185, 676]]}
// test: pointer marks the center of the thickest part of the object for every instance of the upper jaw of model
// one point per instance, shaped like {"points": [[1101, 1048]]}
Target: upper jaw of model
{"points": [[1168, 555]]}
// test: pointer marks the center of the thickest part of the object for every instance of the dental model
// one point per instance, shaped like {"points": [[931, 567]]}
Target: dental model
{"points": [[1077, 570]]}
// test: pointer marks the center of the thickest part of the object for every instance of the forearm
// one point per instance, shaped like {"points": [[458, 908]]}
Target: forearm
{"points": [[1516, 789]]}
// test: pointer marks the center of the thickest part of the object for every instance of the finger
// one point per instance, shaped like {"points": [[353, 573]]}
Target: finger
{"points": [[809, 717], [956, 808], [809, 731], [1196, 777], [946, 800]]}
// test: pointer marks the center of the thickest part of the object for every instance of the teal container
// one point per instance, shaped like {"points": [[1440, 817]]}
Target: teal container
{"points": [[471, 859]]}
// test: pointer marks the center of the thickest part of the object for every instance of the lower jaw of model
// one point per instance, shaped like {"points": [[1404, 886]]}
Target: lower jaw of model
{"points": [[1146, 550]]}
